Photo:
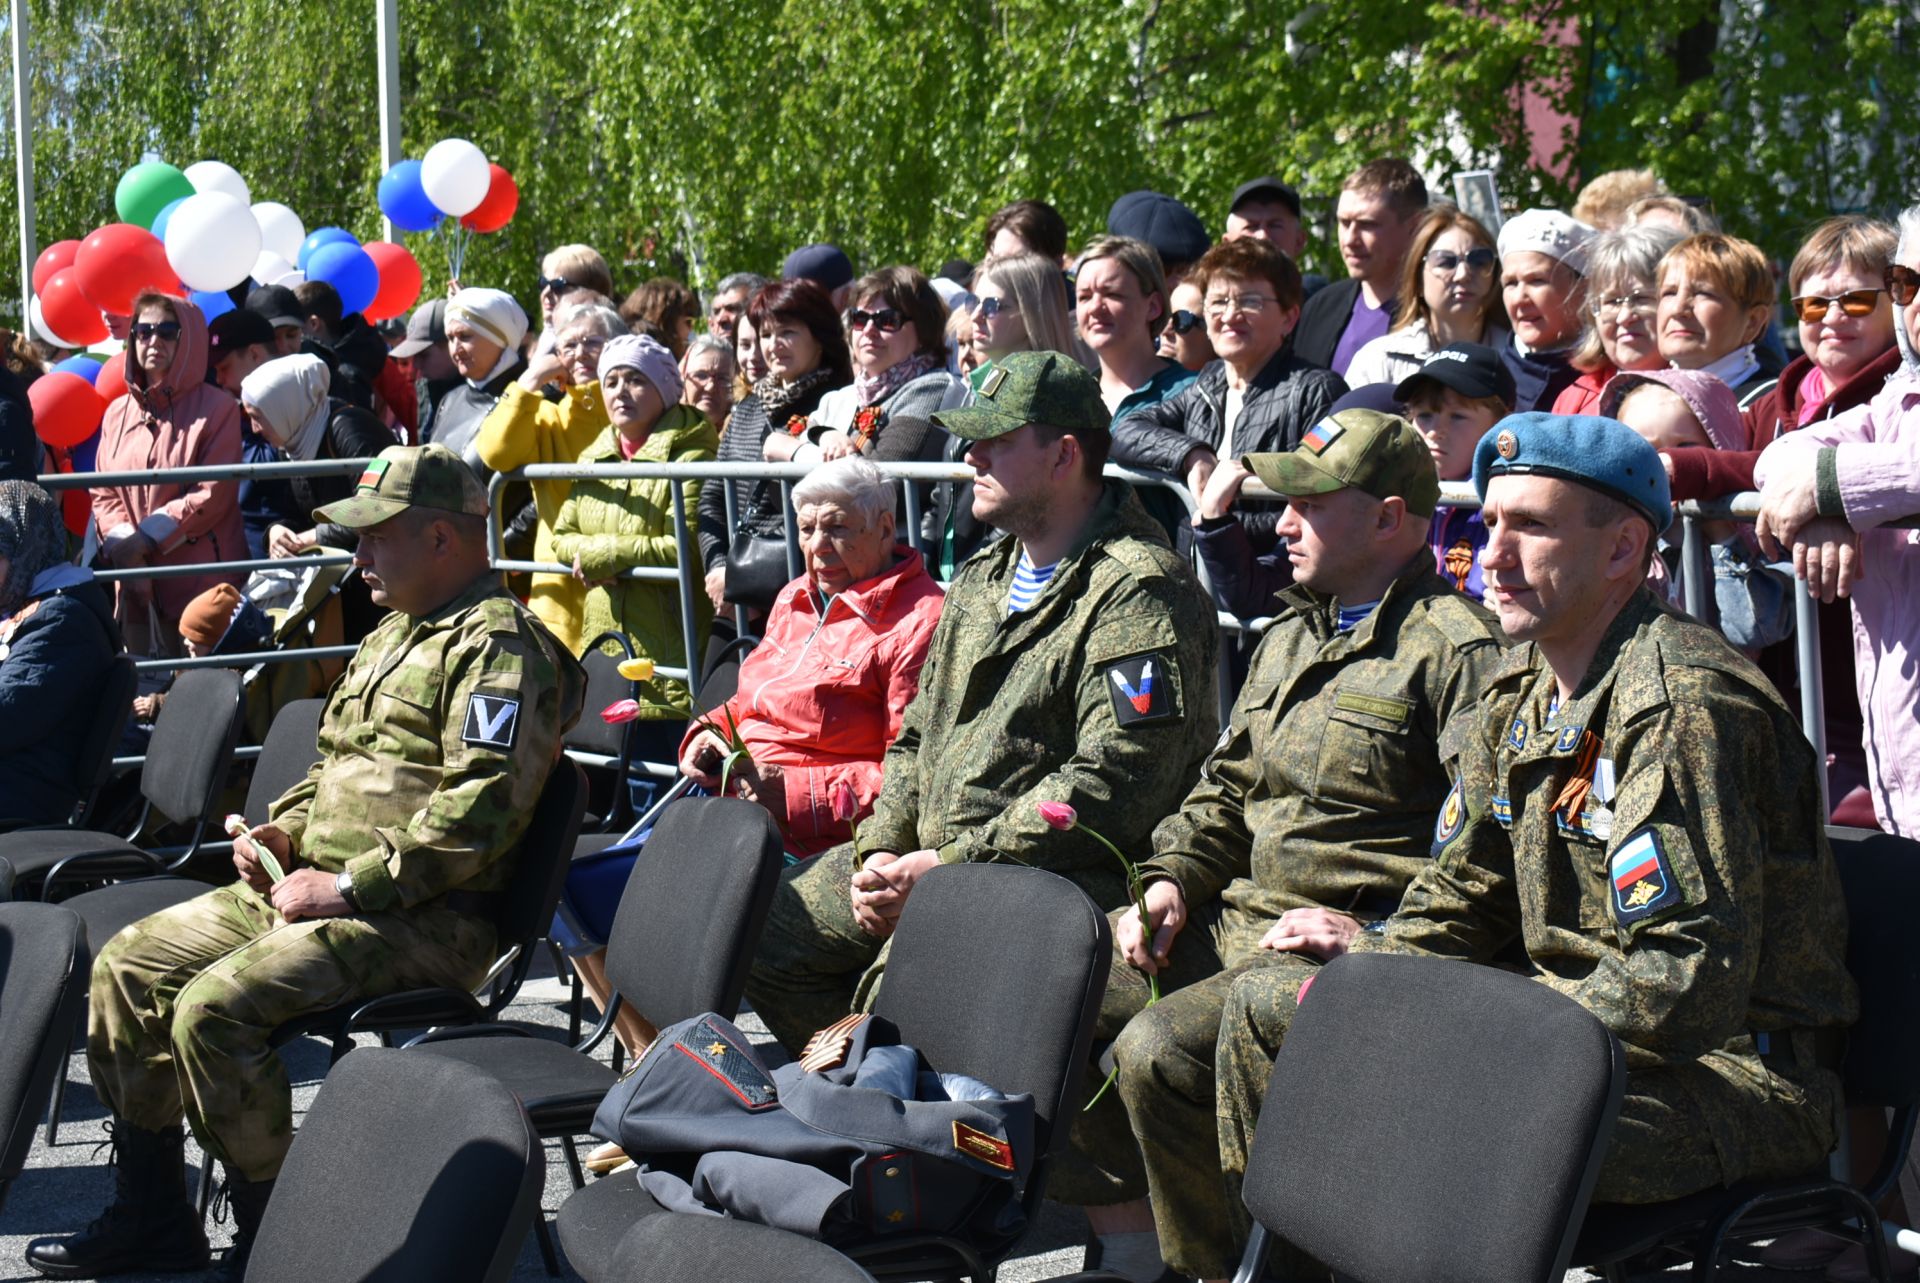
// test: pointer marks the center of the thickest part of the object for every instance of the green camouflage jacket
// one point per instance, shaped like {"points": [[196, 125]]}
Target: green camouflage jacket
{"points": [[1337, 756], [434, 746], [1683, 890], [1100, 695]]}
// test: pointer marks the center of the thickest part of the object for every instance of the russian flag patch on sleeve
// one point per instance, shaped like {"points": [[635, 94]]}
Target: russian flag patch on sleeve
{"points": [[1642, 876], [1141, 689]]}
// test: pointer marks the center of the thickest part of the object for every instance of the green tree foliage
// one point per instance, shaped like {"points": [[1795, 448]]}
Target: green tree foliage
{"points": [[697, 137]]}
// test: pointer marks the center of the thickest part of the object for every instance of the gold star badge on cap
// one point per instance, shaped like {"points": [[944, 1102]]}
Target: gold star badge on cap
{"points": [[1507, 444]]}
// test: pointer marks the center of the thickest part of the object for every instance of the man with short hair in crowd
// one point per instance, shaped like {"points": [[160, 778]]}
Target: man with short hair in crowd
{"points": [[359, 353], [729, 303], [1073, 663], [1026, 227], [1637, 810], [1379, 208], [1270, 210], [395, 849], [238, 343], [1309, 819]]}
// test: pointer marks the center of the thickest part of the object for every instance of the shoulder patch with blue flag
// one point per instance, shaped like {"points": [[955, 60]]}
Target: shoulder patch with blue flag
{"points": [[1643, 882], [1141, 689]]}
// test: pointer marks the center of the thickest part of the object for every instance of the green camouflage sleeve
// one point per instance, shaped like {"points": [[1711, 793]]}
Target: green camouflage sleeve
{"points": [[1144, 710], [290, 811], [1463, 903], [500, 736], [1684, 887]]}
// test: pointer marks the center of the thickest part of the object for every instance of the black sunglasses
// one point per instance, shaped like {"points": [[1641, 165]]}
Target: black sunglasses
{"points": [[1185, 322], [557, 284], [168, 330], [887, 320], [1902, 283]]}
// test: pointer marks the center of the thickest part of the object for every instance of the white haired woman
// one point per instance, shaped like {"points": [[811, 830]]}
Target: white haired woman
{"points": [[524, 427]]}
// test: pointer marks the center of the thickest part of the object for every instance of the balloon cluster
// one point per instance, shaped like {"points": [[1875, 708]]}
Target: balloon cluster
{"points": [[454, 180]]}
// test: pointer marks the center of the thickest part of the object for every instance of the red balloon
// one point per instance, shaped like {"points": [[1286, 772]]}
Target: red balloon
{"points": [[68, 312], [399, 280], [66, 409], [493, 213], [52, 259], [118, 261], [111, 383], [76, 508]]}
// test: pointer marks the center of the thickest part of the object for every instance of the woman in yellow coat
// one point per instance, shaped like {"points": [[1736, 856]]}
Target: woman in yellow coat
{"points": [[525, 427], [608, 526]]}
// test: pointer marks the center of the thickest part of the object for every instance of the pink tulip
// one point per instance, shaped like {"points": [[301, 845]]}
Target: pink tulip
{"points": [[1059, 815], [621, 710], [1300, 998], [845, 805]]}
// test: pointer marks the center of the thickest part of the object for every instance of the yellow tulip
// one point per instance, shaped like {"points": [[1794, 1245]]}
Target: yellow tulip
{"points": [[637, 670]]}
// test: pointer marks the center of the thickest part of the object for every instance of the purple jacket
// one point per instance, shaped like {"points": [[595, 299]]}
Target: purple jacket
{"points": [[1875, 453]]}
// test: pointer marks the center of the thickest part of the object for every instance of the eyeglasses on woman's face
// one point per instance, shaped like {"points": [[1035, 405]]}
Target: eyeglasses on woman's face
{"points": [[1479, 261], [1813, 308], [887, 320]]}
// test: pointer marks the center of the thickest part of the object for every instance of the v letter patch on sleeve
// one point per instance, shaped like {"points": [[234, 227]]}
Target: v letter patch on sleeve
{"points": [[492, 720], [1141, 689]]}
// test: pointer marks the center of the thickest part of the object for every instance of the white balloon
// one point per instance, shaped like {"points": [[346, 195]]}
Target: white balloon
{"points": [[45, 331], [280, 229], [455, 176], [218, 176], [269, 267], [212, 241]]}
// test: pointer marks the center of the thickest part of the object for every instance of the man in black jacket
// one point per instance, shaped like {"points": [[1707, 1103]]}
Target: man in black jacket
{"points": [[359, 353], [1259, 397], [1380, 205]]}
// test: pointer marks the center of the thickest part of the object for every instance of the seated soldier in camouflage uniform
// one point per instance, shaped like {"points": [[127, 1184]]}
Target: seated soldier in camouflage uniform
{"points": [[1073, 663], [1309, 819], [434, 746], [1638, 810]]}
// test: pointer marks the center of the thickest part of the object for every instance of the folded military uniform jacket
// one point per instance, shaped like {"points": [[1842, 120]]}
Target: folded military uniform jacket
{"points": [[858, 1138]]}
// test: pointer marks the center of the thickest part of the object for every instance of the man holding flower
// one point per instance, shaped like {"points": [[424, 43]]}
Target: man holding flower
{"points": [[1310, 817], [1073, 663]]}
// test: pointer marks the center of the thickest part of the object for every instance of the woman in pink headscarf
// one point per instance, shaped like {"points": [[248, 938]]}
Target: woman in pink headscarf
{"points": [[1679, 410]]}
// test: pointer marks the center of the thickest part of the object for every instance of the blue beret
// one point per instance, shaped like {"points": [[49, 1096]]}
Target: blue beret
{"points": [[1603, 454]]}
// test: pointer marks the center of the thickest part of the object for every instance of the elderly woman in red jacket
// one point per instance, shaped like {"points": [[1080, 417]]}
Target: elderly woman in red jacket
{"points": [[822, 695], [170, 417]]}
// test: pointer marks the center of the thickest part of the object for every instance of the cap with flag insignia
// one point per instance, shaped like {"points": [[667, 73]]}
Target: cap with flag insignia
{"points": [[1030, 387], [402, 477], [1380, 454]]}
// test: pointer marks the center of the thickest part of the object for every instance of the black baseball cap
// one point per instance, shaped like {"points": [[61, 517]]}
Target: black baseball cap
{"points": [[278, 305], [229, 332], [1468, 368], [1269, 188]]}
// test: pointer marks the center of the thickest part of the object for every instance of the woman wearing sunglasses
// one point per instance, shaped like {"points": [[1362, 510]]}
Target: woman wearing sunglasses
{"points": [[1622, 266], [170, 417], [565, 275], [1447, 295], [1185, 338], [1023, 307]]}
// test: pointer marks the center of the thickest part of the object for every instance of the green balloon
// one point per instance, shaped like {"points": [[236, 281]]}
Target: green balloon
{"points": [[148, 188]]}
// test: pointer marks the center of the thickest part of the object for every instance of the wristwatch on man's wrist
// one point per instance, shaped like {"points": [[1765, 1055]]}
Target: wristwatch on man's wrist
{"points": [[344, 885]]}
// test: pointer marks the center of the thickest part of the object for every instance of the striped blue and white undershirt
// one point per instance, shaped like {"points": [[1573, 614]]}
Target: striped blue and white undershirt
{"points": [[1028, 581]]}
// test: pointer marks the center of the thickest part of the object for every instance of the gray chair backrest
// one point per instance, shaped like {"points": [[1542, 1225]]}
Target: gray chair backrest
{"points": [[192, 744], [1453, 1119], [292, 747], [546, 850], [407, 1168], [690, 917], [997, 971], [43, 987], [117, 688], [680, 1247]]}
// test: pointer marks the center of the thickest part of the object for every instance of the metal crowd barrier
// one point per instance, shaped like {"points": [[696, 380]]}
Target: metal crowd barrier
{"points": [[688, 573]]}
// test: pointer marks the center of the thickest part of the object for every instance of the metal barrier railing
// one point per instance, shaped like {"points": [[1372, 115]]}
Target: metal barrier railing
{"points": [[689, 575]]}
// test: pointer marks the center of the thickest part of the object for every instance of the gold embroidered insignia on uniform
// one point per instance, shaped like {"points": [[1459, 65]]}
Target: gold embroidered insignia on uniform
{"points": [[992, 385], [716, 1049], [896, 1216], [1643, 893], [990, 1150]]}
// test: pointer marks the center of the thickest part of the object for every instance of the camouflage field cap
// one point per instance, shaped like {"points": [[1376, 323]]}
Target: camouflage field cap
{"points": [[1379, 454], [408, 476], [1030, 387]]}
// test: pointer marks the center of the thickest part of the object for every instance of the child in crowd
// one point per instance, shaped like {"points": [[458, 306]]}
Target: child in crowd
{"points": [[1694, 410], [1458, 394], [218, 622]]}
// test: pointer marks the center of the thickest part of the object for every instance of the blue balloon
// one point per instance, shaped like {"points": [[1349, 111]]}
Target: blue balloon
{"points": [[350, 270], [319, 239], [404, 201], [212, 303], [86, 453], [165, 216], [84, 366]]}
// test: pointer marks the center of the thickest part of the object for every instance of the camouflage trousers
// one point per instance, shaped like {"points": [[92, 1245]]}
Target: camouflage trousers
{"points": [[184, 1002], [813, 960], [1158, 1130]]}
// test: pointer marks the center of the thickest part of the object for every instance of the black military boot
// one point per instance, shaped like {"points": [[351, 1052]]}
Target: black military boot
{"points": [[151, 1225], [248, 1199]]}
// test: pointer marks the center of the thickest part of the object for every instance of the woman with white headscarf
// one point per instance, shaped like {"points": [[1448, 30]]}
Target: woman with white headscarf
{"points": [[288, 403], [484, 331], [57, 638], [608, 527]]}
